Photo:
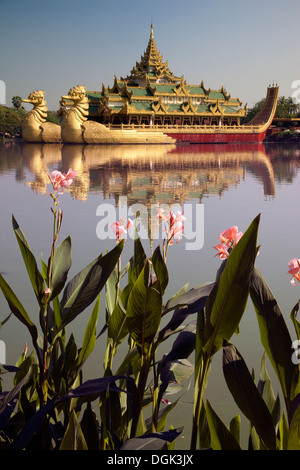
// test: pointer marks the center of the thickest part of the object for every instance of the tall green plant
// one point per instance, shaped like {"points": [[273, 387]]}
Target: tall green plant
{"points": [[223, 311]]}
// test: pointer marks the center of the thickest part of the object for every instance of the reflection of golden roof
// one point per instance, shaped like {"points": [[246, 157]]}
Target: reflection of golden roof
{"points": [[148, 174]]}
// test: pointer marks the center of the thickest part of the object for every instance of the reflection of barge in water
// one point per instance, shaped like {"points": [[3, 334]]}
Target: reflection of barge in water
{"points": [[149, 173], [151, 105]]}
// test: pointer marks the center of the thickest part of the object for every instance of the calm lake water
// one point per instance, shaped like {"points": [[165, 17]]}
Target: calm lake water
{"points": [[231, 183]]}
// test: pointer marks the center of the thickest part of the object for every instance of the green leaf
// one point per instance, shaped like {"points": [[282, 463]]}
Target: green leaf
{"points": [[60, 266], [89, 426], [35, 276], [266, 391], [4, 321], [89, 339], [294, 319], [235, 427], [227, 301], [111, 292], [73, 438], [160, 268], [221, 437], [117, 325], [137, 262], [153, 441], [293, 442], [274, 332], [246, 395], [83, 289], [283, 432], [17, 309], [144, 309], [44, 271]]}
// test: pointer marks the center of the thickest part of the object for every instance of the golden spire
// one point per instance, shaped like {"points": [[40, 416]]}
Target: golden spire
{"points": [[151, 63]]}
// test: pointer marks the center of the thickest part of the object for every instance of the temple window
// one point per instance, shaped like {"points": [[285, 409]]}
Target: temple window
{"points": [[134, 120]]}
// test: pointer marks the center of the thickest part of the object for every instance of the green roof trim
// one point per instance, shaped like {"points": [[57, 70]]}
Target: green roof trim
{"points": [[216, 95], [196, 90], [140, 91]]}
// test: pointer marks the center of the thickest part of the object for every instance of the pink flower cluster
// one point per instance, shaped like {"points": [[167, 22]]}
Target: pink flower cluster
{"points": [[294, 266], [119, 228], [229, 238], [174, 224], [60, 180]]}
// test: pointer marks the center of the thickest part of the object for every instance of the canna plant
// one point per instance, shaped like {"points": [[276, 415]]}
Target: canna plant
{"points": [[54, 369], [270, 427], [50, 405]]}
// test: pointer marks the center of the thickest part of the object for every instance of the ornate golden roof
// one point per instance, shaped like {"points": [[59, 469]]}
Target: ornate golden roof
{"points": [[151, 66]]}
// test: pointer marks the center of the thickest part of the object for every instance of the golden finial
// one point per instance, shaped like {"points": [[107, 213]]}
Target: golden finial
{"points": [[151, 31]]}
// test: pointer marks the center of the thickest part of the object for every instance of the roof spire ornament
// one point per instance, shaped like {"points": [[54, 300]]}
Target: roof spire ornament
{"points": [[151, 67]]}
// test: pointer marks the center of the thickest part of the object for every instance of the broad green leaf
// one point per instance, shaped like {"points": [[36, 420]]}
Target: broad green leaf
{"points": [[266, 391], [83, 289], [73, 438], [221, 437], [246, 395], [35, 276], [89, 339], [90, 428], [294, 319], [162, 417], [17, 309], [111, 292], [137, 262], [60, 266], [192, 297], [185, 303], [44, 270], [293, 442], [144, 309], [160, 268], [235, 428], [283, 432], [227, 301], [274, 332], [154, 441], [117, 325]]}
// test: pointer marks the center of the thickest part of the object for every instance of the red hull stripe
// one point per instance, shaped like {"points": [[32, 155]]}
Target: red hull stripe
{"points": [[221, 138]]}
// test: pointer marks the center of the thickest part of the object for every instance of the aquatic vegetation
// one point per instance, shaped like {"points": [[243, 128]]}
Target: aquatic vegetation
{"points": [[51, 406]]}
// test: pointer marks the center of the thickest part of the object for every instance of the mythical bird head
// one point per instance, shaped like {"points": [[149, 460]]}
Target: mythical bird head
{"points": [[76, 94], [36, 98]]}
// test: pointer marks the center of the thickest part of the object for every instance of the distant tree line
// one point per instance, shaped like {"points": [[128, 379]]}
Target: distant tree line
{"points": [[286, 108], [11, 118]]}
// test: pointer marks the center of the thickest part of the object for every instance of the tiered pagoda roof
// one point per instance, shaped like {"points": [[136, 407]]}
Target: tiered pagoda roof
{"points": [[152, 90], [151, 68]]}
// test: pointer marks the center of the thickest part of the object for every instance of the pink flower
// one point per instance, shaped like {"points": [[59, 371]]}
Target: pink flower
{"points": [[129, 224], [174, 225], [160, 214], [60, 180], [119, 229], [229, 238], [294, 266], [223, 253]]}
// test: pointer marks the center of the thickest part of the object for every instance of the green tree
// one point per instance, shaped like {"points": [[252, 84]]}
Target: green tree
{"points": [[285, 108], [17, 102], [52, 117]]}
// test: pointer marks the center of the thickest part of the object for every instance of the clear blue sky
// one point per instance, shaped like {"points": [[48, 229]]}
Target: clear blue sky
{"points": [[55, 45]]}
